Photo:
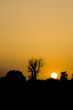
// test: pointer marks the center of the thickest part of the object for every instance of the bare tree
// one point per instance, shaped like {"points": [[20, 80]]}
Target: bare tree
{"points": [[34, 67]]}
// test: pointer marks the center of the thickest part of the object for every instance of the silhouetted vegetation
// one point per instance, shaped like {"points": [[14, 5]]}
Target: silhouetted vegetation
{"points": [[34, 67], [15, 75], [16, 81], [16, 78], [64, 76]]}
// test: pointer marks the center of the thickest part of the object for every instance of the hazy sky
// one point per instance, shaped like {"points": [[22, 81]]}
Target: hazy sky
{"points": [[36, 28]]}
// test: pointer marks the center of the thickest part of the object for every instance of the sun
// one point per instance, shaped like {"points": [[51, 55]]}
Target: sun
{"points": [[54, 75]]}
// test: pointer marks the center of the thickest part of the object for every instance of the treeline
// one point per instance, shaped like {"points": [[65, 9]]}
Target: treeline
{"points": [[15, 78], [34, 66]]}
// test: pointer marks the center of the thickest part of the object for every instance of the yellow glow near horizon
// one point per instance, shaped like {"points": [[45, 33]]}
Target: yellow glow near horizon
{"points": [[36, 28]]}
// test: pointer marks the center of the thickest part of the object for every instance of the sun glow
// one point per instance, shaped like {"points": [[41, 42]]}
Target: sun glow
{"points": [[54, 75]]}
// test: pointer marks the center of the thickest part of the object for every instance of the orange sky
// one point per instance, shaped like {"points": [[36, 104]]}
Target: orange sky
{"points": [[36, 28]]}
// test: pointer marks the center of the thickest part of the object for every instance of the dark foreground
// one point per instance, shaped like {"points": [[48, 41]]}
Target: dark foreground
{"points": [[36, 93], [29, 88]]}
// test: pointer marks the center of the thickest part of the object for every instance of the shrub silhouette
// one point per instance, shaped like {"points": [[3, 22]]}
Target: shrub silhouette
{"points": [[15, 75], [64, 76], [34, 67]]}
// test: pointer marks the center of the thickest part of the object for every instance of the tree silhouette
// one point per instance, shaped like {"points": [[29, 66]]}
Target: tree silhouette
{"points": [[15, 75], [64, 76], [34, 67]]}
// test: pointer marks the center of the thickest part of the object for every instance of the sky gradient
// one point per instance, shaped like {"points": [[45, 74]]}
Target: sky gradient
{"points": [[36, 28]]}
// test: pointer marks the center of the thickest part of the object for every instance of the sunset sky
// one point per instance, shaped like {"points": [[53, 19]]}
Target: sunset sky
{"points": [[36, 28]]}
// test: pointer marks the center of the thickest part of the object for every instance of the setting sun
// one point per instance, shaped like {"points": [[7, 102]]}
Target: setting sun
{"points": [[54, 75]]}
